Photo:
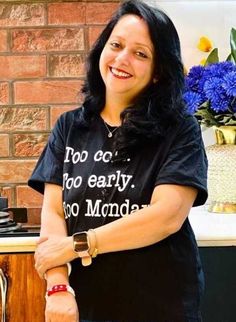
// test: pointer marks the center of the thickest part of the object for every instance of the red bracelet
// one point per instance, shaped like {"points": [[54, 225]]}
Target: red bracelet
{"points": [[59, 288]]}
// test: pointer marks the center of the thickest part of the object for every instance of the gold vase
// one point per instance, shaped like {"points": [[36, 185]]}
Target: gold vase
{"points": [[222, 171]]}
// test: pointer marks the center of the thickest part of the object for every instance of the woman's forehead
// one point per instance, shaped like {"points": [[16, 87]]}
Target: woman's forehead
{"points": [[132, 27]]}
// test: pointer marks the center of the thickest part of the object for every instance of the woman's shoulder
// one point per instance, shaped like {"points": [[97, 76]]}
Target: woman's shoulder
{"points": [[71, 115], [188, 122], [66, 121]]}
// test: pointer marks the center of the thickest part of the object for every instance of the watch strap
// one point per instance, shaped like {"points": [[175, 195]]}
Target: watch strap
{"points": [[86, 261]]}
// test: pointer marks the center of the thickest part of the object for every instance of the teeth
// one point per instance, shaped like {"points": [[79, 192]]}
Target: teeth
{"points": [[118, 73]]}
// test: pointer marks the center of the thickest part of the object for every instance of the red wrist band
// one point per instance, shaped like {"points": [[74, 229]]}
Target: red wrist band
{"points": [[59, 288]]}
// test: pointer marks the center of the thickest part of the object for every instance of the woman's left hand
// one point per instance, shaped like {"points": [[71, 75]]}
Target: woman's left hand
{"points": [[53, 251]]}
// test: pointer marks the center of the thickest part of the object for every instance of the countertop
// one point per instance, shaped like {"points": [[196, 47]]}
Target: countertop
{"points": [[18, 244], [213, 229], [210, 230]]}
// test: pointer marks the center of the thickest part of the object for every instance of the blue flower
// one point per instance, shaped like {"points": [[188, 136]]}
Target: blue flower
{"points": [[212, 88], [192, 100], [194, 75], [218, 69], [229, 83], [216, 94], [220, 104]]}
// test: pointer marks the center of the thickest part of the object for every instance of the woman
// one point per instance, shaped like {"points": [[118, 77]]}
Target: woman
{"points": [[119, 177]]}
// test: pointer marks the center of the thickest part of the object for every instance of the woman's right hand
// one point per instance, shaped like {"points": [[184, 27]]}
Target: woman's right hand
{"points": [[61, 307]]}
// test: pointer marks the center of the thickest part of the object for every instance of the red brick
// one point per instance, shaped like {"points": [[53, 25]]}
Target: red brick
{"points": [[66, 13], [4, 145], [100, 13], [46, 40], [12, 67], [3, 40], [56, 111], [94, 32], [4, 93], [22, 14], [29, 144], [23, 119], [8, 192], [71, 65], [16, 171], [27, 197], [43, 92]]}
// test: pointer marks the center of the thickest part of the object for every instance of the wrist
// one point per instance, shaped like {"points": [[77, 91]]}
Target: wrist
{"points": [[59, 288], [84, 245], [57, 275]]}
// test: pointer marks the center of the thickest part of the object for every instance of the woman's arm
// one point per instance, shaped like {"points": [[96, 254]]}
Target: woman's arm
{"points": [[54, 246], [53, 224], [60, 306], [170, 205]]}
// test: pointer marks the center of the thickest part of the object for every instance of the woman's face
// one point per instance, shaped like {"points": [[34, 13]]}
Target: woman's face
{"points": [[127, 60]]}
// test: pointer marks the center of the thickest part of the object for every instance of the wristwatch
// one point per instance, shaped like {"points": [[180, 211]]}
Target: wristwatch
{"points": [[81, 247]]}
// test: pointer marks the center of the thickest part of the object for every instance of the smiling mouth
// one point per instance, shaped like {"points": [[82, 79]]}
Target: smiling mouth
{"points": [[119, 74]]}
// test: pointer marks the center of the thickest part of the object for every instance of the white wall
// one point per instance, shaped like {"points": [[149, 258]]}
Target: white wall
{"points": [[194, 19]]}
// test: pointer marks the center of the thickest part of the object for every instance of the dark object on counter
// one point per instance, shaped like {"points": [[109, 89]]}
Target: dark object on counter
{"points": [[10, 228], [18, 214], [13, 221], [3, 203], [6, 224]]}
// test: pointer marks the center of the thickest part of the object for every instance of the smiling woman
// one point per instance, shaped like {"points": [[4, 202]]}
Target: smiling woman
{"points": [[127, 61], [122, 194]]}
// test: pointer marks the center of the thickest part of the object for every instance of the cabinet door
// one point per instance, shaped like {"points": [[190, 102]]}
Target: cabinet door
{"points": [[25, 290]]}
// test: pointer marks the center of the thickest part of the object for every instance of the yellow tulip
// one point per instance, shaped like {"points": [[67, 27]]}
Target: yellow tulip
{"points": [[204, 44]]}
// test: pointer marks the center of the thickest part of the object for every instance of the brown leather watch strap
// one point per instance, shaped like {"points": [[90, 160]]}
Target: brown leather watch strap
{"points": [[86, 261]]}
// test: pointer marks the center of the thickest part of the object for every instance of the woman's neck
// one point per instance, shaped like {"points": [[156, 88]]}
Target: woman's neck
{"points": [[111, 116], [112, 110]]}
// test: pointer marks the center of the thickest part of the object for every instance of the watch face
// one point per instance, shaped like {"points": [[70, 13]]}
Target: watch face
{"points": [[80, 242]]}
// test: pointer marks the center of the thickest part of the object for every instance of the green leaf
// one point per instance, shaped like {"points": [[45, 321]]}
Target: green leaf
{"points": [[230, 58], [233, 43], [213, 57], [206, 117]]}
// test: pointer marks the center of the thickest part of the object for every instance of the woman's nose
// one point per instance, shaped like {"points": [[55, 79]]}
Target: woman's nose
{"points": [[123, 57]]}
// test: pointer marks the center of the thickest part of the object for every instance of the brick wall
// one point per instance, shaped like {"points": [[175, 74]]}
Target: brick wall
{"points": [[43, 45]]}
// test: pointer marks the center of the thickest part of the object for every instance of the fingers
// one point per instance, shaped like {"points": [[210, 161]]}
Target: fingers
{"points": [[40, 265], [40, 272], [52, 252], [41, 240]]}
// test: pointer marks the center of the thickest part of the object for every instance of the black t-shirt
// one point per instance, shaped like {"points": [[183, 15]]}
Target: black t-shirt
{"points": [[161, 282]]}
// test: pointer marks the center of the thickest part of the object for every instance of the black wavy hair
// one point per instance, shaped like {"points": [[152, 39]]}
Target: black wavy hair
{"points": [[160, 105]]}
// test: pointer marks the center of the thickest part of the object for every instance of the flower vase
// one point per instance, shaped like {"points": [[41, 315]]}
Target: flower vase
{"points": [[222, 171]]}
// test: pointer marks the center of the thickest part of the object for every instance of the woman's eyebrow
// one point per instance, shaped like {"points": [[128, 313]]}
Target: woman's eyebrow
{"points": [[136, 43]]}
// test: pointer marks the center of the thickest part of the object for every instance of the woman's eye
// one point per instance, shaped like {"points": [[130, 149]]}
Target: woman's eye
{"points": [[141, 54], [115, 44]]}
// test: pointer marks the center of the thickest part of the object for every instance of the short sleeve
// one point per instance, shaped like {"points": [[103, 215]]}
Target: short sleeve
{"points": [[186, 163], [49, 168]]}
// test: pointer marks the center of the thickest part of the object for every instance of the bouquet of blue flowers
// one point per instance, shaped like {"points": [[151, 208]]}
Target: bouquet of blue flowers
{"points": [[210, 90]]}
